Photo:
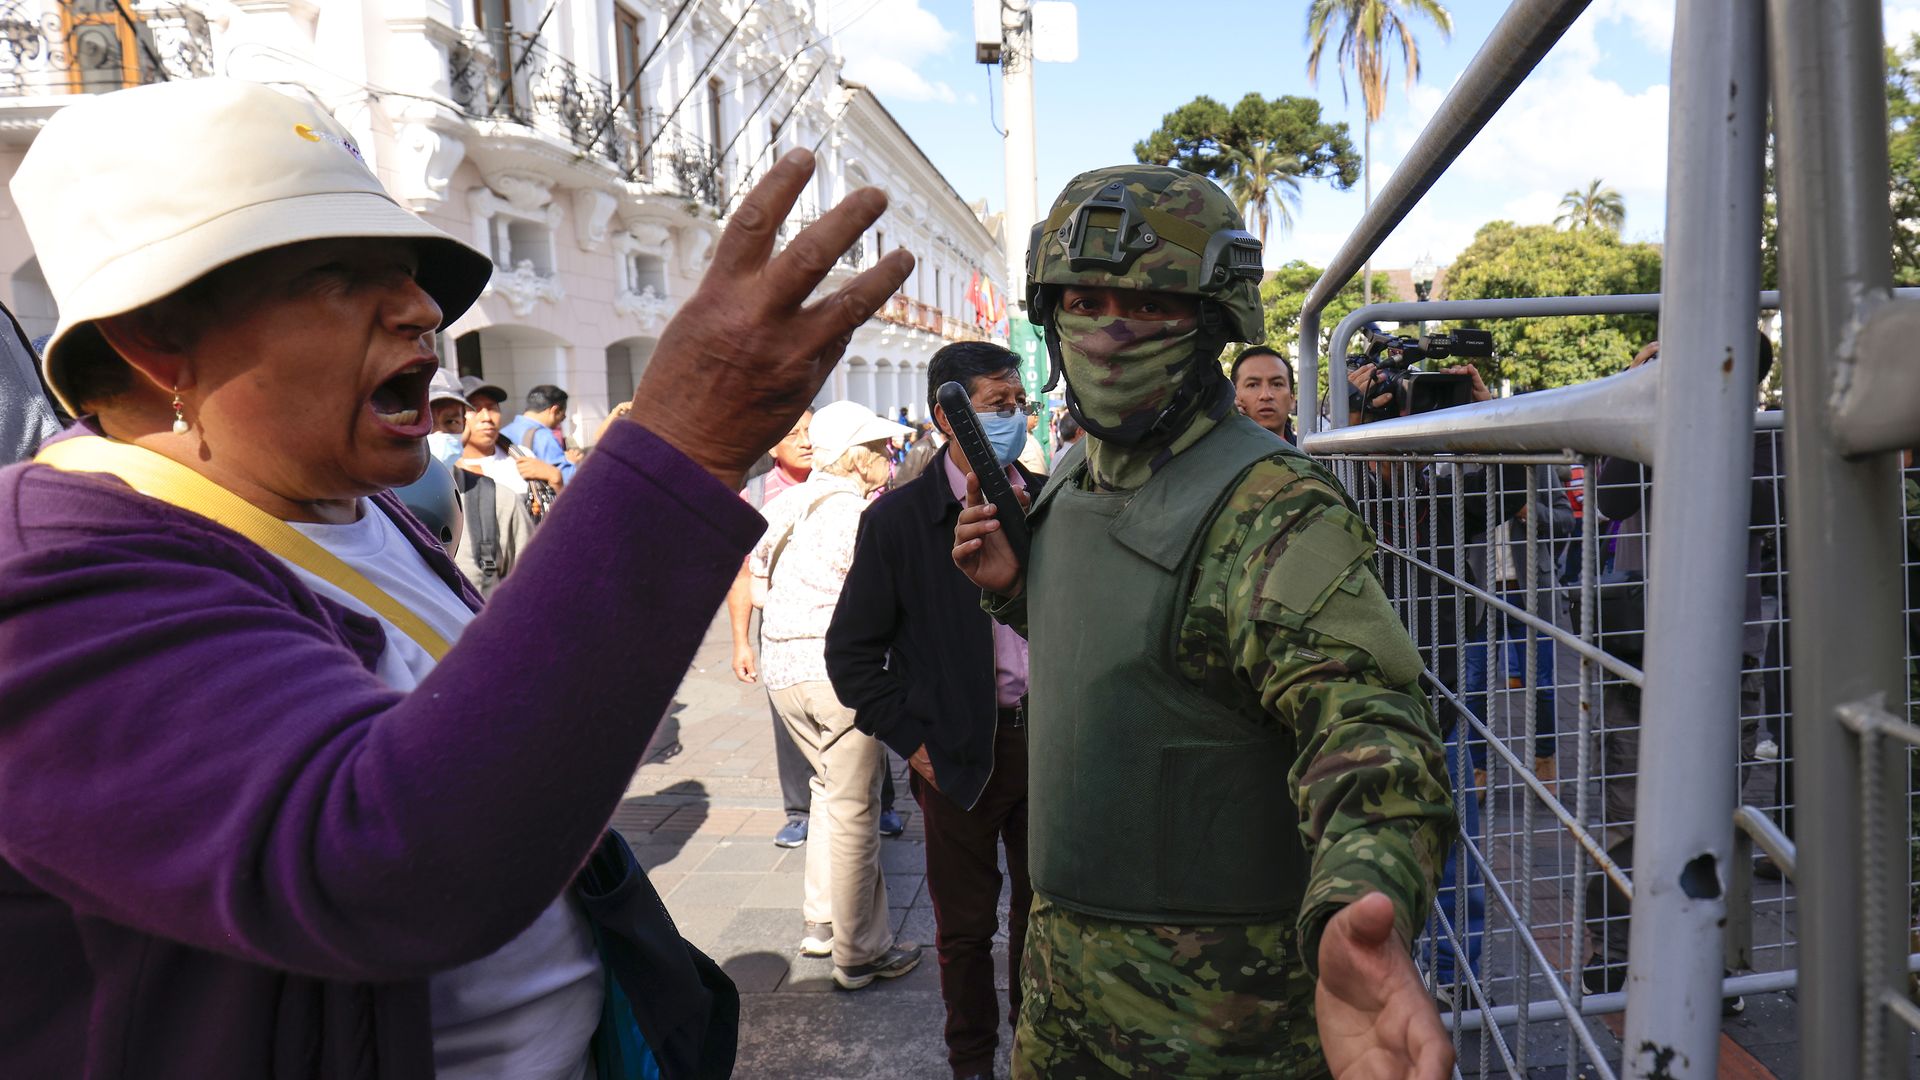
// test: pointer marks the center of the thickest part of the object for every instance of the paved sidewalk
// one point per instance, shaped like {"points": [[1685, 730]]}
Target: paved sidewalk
{"points": [[701, 814]]}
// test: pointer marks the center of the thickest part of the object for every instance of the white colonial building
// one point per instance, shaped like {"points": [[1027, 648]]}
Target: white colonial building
{"points": [[594, 147]]}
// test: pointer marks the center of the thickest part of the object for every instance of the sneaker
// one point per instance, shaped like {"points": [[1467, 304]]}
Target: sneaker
{"points": [[794, 835], [890, 824], [818, 940], [892, 964], [1733, 1006]]}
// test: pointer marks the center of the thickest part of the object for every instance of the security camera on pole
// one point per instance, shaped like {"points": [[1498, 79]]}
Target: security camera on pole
{"points": [[1015, 34]]}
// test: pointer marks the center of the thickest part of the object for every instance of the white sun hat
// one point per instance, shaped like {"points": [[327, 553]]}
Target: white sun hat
{"points": [[132, 195], [838, 427]]}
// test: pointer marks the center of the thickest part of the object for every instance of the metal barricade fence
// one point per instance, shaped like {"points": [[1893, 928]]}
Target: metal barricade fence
{"points": [[1835, 677], [1528, 626]]}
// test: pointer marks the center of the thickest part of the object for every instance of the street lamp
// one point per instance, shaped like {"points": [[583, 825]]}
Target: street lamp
{"points": [[1423, 269]]}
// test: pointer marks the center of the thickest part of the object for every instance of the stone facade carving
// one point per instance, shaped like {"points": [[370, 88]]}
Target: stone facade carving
{"points": [[648, 308], [523, 288], [428, 157], [592, 213]]}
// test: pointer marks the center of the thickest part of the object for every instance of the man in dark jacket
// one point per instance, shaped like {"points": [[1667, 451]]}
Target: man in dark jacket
{"points": [[931, 675]]}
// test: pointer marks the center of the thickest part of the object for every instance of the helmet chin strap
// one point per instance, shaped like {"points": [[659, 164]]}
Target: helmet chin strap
{"points": [[1162, 427]]}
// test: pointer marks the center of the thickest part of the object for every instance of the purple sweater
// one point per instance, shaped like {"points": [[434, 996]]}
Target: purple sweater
{"points": [[227, 849]]}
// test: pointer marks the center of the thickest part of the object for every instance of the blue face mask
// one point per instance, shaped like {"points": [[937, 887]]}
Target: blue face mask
{"points": [[445, 446], [1008, 435]]}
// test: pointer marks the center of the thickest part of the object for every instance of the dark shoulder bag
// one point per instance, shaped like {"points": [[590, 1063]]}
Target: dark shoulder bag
{"points": [[685, 1008]]}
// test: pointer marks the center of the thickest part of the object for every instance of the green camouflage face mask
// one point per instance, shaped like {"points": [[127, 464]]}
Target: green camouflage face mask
{"points": [[1123, 373]]}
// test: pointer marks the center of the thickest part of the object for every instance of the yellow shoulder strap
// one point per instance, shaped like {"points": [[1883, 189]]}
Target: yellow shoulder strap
{"points": [[159, 477]]}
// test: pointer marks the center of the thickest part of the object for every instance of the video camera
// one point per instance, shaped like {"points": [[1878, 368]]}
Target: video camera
{"points": [[1414, 391]]}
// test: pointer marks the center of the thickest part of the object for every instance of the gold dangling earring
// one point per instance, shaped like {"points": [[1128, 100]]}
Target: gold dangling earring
{"points": [[179, 414]]}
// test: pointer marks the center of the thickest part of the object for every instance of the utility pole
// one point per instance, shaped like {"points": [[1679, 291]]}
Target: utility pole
{"points": [[1023, 197], [1004, 33]]}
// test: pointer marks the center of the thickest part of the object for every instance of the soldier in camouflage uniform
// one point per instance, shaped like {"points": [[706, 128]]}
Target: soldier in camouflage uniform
{"points": [[1230, 752]]}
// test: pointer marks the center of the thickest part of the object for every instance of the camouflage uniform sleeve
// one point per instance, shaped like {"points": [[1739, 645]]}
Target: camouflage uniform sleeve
{"points": [[1307, 628], [1010, 610]]}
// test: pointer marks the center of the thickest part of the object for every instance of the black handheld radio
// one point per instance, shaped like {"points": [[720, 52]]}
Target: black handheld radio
{"points": [[994, 486]]}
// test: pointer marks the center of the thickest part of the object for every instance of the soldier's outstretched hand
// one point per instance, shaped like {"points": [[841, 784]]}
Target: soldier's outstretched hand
{"points": [[1377, 1022], [980, 548]]}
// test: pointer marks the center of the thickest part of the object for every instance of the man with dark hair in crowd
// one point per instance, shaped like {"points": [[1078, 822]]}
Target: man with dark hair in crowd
{"points": [[935, 678], [497, 519], [1069, 431], [1624, 495], [1263, 389], [533, 429]]}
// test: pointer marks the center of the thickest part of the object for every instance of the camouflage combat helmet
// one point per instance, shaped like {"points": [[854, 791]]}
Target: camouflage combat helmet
{"points": [[1154, 228]]}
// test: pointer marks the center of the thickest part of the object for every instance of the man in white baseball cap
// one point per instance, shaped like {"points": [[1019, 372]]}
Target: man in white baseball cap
{"points": [[235, 842]]}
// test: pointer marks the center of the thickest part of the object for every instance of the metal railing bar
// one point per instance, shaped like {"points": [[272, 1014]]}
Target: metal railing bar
{"points": [[1554, 985], [1600, 857], [1768, 836], [1896, 1004], [1610, 416], [1633, 675], [1763, 982], [1517, 44], [1477, 989], [1564, 458]]}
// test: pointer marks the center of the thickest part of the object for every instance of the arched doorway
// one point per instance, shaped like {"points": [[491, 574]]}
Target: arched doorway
{"points": [[519, 358], [626, 361]]}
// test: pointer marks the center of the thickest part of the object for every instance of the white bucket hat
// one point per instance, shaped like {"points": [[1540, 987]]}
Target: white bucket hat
{"points": [[132, 195], [839, 427]]}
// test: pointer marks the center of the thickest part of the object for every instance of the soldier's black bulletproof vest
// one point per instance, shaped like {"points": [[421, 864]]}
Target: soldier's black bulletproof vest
{"points": [[1149, 800]]}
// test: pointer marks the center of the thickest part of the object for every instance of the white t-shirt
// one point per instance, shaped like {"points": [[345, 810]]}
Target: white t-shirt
{"points": [[501, 469], [529, 1009]]}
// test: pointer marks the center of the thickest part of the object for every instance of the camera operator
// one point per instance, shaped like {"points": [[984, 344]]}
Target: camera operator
{"points": [[1377, 394]]}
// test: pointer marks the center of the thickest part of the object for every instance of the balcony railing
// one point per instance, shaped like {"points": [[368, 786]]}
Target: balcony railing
{"points": [[97, 46], [902, 310], [505, 75]]}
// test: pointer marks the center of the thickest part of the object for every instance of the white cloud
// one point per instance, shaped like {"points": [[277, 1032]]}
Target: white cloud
{"points": [[884, 42], [1567, 125], [1901, 20]]}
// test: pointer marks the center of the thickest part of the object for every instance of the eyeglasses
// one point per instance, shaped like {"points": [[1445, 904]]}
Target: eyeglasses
{"points": [[1006, 412]]}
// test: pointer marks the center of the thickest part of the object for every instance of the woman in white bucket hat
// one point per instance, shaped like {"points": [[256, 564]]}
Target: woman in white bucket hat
{"points": [[250, 822]]}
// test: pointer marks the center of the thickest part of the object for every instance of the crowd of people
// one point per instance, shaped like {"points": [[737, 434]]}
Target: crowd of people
{"points": [[257, 818]]}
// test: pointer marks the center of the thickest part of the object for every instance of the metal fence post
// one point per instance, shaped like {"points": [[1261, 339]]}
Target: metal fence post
{"points": [[1831, 158], [1709, 326]]}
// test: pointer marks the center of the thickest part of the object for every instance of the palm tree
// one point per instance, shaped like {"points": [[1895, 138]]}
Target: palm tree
{"points": [[1368, 27], [1596, 207], [1263, 184]]}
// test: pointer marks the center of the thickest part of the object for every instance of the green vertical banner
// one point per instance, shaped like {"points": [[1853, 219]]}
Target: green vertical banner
{"points": [[1024, 339]]}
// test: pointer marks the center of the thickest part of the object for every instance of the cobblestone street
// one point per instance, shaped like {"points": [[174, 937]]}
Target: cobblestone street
{"points": [[701, 814]]}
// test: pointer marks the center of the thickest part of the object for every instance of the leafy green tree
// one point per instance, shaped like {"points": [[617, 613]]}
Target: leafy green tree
{"points": [[1264, 185], [1367, 30], [1204, 136], [1597, 207], [1508, 260], [1284, 293], [1903, 160]]}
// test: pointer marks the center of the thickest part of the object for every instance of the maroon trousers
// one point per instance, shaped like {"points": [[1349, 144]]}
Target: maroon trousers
{"points": [[963, 879]]}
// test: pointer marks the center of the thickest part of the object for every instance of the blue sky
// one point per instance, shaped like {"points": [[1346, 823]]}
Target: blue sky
{"points": [[1595, 109]]}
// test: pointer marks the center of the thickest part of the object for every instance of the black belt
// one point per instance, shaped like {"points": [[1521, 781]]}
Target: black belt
{"points": [[1013, 715]]}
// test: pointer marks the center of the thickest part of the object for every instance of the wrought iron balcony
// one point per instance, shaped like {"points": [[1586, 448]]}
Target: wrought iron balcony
{"points": [[504, 75], [96, 46]]}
